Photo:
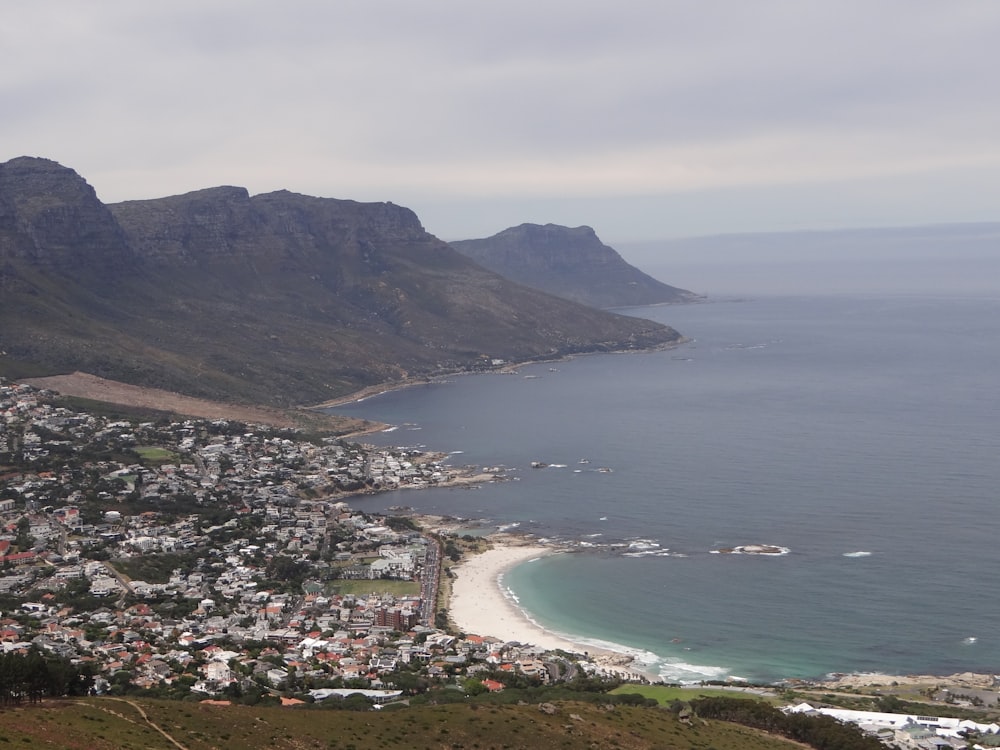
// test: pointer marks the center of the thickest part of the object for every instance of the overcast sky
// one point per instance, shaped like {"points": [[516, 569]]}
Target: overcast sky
{"points": [[643, 119]]}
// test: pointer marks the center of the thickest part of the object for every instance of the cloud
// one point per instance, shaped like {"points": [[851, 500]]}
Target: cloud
{"points": [[442, 100]]}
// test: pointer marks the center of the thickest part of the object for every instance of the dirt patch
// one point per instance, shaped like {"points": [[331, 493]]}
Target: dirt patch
{"points": [[85, 385]]}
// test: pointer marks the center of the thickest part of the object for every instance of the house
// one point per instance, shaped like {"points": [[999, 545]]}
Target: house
{"points": [[217, 671], [492, 685]]}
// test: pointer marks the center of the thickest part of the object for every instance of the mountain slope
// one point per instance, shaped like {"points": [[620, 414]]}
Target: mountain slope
{"points": [[278, 298], [570, 263]]}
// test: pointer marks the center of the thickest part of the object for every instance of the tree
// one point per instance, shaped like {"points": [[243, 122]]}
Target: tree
{"points": [[889, 704], [474, 687], [24, 540]]}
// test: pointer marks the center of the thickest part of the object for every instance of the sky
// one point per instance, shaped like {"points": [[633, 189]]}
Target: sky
{"points": [[643, 119]]}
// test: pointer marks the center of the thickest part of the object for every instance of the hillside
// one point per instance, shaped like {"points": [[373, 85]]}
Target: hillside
{"points": [[276, 299], [570, 263], [115, 724]]}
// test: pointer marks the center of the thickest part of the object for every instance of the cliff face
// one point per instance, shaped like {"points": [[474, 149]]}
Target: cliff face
{"points": [[571, 263], [226, 222], [51, 218], [277, 298]]}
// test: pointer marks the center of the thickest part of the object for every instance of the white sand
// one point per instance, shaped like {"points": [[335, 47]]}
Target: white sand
{"points": [[479, 607]]}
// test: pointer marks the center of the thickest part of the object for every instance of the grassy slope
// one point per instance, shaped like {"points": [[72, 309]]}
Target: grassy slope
{"points": [[100, 723], [666, 694]]}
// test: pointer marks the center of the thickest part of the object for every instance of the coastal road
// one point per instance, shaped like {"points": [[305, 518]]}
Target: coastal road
{"points": [[430, 582]]}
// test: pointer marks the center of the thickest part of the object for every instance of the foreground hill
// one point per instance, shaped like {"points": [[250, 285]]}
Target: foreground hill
{"points": [[112, 724], [570, 263], [278, 298]]}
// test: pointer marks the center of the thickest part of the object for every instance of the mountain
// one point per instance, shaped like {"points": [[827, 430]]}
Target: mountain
{"points": [[571, 263], [276, 299]]}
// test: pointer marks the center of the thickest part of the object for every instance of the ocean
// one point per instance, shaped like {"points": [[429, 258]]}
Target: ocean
{"points": [[860, 433]]}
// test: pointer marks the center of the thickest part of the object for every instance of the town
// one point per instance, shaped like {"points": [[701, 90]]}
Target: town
{"points": [[221, 560]]}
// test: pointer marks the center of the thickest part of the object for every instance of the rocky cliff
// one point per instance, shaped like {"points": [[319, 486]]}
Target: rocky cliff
{"points": [[278, 298], [571, 263], [53, 219]]}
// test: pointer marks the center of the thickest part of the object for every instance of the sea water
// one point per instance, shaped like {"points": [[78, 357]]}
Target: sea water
{"points": [[862, 434]]}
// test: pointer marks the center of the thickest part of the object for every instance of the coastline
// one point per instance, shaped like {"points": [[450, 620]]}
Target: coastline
{"points": [[479, 606], [508, 368], [500, 610]]}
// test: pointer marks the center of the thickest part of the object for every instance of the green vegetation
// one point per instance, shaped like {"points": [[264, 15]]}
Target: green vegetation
{"points": [[667, 694], [401, 523], [821, 732], [155, 568], [151, 455], [32, 676]]}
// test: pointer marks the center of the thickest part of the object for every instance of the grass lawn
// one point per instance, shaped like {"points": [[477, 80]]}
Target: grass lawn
{"points": [[396, 588], [154, 455]]}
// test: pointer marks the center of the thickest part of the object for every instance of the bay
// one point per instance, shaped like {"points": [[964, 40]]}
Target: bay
{"points": [[859, 432]]}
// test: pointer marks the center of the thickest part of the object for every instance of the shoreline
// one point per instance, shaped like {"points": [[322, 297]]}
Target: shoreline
{"points": [[479, 606], [497, 616], [378, 389]]}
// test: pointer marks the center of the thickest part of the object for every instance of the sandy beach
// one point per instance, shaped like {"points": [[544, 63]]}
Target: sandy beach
{"points": [[479, 607]]}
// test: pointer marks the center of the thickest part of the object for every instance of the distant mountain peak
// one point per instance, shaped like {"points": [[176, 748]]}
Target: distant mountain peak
{"points": [[569, 262]]}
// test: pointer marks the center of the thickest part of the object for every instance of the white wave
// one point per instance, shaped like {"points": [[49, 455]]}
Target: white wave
{"points": [[685, 673], [859, 553], [603, 518], [638, 545], [669, 669], [649, 553], [970, 640], [592, 536], [764, 550], [642, 657], [391, 429], [557, 466], [455, 453]]}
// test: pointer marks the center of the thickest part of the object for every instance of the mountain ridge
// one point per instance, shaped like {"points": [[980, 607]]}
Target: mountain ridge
{"points": [[278, 298]]}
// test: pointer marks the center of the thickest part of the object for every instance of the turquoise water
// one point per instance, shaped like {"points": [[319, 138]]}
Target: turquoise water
{"points": [[832, 426]]}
